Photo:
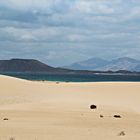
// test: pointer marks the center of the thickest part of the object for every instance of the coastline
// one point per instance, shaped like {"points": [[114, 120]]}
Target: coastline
{"points": [[43, 77]]}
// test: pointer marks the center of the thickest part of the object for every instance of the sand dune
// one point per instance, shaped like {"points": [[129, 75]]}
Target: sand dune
{"points": [[47, 110]]}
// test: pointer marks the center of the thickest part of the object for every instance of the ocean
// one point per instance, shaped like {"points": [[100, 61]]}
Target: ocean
{"points": [[76, 77]]}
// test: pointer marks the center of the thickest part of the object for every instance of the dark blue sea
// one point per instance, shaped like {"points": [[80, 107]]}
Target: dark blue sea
{"points": [[76, 77]]}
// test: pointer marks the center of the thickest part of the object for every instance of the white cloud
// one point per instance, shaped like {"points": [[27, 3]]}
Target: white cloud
{"points": [[93, 7]]}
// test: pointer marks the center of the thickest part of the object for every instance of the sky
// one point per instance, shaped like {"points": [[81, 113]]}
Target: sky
{"points": [[60, 32]]}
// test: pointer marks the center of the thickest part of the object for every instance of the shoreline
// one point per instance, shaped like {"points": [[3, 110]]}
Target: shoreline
{"points": [[74, 80], [57, 82]]}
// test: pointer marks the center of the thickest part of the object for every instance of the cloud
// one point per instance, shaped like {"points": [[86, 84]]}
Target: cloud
{"points": [[62, 32], [93, 7]]}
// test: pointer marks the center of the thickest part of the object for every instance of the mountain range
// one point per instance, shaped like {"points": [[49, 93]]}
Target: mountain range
{"points": [[90, 66], [94, 64], [34, 66]]}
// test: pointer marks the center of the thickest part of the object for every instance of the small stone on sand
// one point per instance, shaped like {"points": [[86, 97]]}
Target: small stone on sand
{"points": [[5, 119], [101, 116], [93, 107], [122, 133], [117, 116]]}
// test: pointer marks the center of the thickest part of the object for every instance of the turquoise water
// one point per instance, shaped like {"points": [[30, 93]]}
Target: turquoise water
{"points": [[76, 77]]}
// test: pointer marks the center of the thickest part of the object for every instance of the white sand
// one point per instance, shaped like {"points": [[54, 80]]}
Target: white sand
{"points": [[50, 111]]}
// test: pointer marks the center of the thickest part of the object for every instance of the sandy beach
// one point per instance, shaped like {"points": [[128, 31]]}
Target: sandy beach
{"points": [[61, 111]]}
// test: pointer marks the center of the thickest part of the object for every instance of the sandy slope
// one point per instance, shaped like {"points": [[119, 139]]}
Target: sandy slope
{"points": [[50, 111]]}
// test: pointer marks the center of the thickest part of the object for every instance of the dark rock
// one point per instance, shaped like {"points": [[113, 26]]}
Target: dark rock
{"points": [[5, 119], [93, 107], [117, 116], [101, 116]]}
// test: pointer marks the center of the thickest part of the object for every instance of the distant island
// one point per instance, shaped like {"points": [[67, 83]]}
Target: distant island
{"points": [[35, 66], [124, 63]]}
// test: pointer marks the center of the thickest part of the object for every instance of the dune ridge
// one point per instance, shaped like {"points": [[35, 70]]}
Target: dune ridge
{"points": [[50, 110]]}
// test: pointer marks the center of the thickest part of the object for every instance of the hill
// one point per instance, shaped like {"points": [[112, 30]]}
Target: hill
{"points": [[24, 65], [125, 63], [90, 64]]}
